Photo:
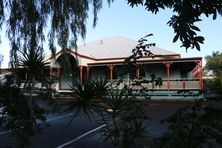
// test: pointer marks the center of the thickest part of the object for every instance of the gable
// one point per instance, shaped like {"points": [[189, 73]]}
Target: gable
{"points": [[110, 49]]}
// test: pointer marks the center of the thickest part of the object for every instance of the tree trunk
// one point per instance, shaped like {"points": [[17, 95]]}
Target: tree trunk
{"points": [[30, 96]]}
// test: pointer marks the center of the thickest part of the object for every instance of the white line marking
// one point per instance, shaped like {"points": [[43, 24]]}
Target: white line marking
{"points": [[80, 137], [47, 120], [5, 132], [59, 117]]}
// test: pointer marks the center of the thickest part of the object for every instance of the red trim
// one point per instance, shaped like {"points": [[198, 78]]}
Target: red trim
{"points": [[120, 58], [184, 85], [80, 73], [102, 59], [111, 72], [83, 56], [73, 52], [60, 52], [201, 75], [198, 72], [87, 72], [194, 59], [195, 71], [168, 74], [137, 72], [58, 73]]}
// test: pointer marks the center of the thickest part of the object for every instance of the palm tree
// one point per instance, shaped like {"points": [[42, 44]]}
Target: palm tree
{"points": [[22, 111], [33, 61]]}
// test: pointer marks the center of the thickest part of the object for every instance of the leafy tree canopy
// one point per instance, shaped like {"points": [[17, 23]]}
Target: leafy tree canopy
{"points": [[214, 63], [30, 22], [187, 13]]}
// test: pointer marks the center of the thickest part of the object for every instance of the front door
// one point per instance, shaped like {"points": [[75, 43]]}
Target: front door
{"points": [[65, 80], [68, 78]]}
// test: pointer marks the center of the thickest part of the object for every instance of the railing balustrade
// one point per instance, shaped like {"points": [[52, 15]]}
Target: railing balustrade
{"points": [[174, 84]]}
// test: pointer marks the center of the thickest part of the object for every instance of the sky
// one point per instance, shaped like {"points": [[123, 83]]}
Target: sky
{"points": [[121, 20]]}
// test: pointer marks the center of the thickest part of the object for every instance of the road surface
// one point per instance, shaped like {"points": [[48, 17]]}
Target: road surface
{"points": [[82, 133]]}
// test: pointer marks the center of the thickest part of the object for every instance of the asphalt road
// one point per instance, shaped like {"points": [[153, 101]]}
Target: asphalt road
{"points": [[57, 132], [82, 133]]}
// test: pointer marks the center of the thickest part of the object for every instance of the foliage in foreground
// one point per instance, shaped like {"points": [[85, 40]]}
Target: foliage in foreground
{"points": [[186, 14], [123, 116], [23, 113], [87, 96], [193, 126], [68, 26], [214, 85], [66, 20], [18, 117]]}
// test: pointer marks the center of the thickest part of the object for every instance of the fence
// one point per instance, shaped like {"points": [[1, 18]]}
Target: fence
{"points": [[173, 84]]}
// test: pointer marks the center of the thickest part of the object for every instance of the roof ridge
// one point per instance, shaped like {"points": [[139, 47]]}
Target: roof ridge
{"points": [[105, 38]]}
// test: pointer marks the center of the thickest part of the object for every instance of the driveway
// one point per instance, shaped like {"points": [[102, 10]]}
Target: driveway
{"points": [[82, 133]]}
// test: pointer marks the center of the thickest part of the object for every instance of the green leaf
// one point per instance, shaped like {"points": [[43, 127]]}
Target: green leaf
{"points": [[196, 44], [200, 39], [215, 14], [148, 35], [176, 37], [194, 28]]}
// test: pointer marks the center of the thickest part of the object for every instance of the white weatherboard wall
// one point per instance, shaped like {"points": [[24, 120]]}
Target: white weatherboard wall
{"points": [[99, 72], [84, 61], [160, 70]]}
